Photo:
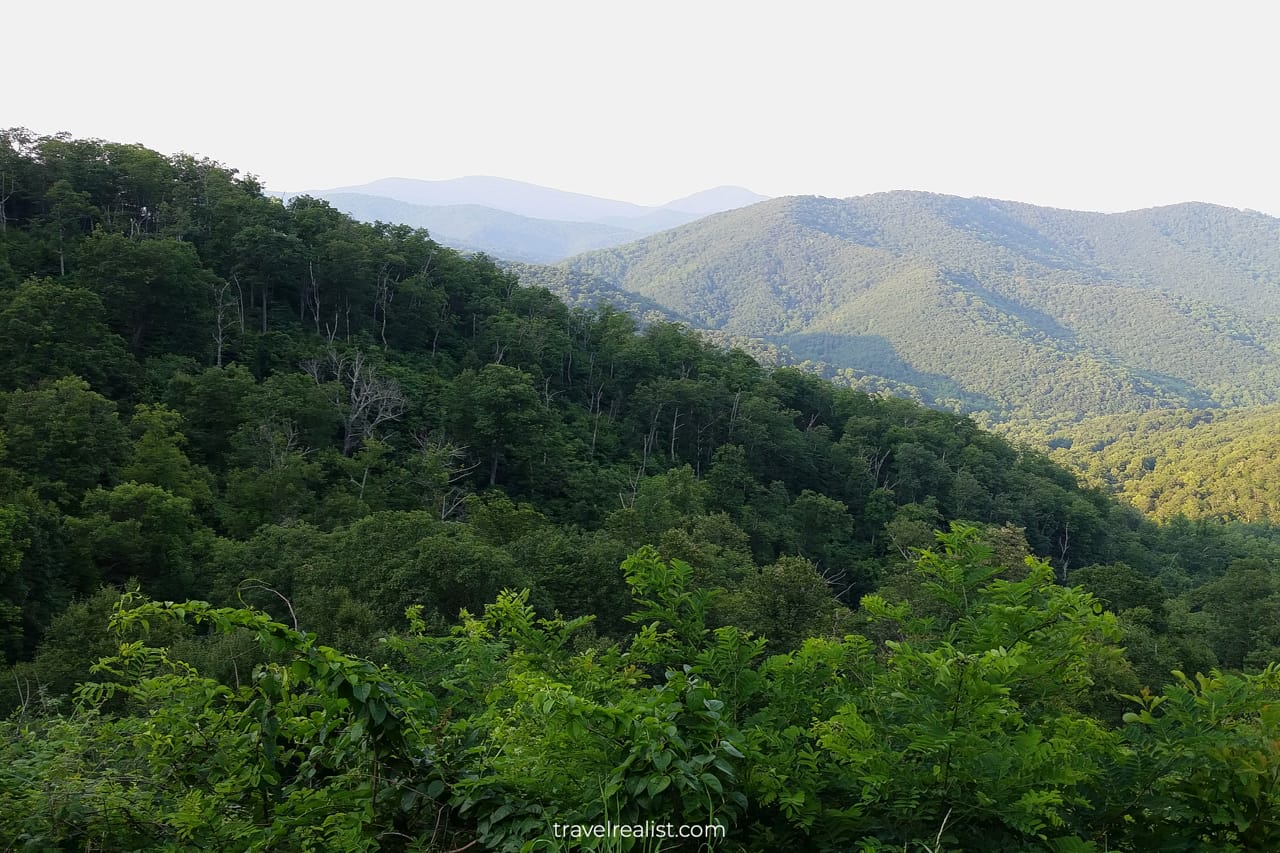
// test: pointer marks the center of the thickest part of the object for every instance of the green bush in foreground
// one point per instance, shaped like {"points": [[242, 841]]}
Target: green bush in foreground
{"points": [[960, 721]]}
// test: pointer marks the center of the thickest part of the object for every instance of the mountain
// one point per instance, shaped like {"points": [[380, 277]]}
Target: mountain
{"points": [[715, 200], [519, 221], [541, 202], [998, 307], [473, 227], [517, 197]]}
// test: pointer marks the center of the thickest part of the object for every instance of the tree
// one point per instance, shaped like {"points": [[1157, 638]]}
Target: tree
{"points": [[13, 546], [822, 526], [65, 438], [158, 457], [213, 405], [155, 291], [499, 411], [1243, 605], [49, 330], [365, 399], [267, 258], [139, 531], [70, 213], [787, 603]]}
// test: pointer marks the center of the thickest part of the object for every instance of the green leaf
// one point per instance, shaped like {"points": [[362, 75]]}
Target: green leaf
{"points": [[658, 784]]}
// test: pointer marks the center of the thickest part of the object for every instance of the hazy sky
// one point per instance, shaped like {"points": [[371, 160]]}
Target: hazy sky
{"points": [[1100, 106]]}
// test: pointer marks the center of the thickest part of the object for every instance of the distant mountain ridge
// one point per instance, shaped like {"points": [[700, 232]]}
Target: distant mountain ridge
{"points": [[520, 221], [997, 307], [473, 227]]}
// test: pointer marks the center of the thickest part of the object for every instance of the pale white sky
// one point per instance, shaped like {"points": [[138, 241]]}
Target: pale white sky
{"points": [[1092, 105]]}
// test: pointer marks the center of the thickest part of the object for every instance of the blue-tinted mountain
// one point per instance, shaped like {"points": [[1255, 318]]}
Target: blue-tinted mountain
{"points": [[519, 221], [472, 227]]}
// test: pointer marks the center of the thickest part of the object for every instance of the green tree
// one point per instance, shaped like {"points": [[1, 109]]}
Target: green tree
{"points": [[49, 330], [156, 291], [143, 532], [158, 457], [70, 214], [787, 603], [65, 438], [499, 412]]}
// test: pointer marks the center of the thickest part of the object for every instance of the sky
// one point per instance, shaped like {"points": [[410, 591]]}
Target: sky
{"points": [[1084, 105]]}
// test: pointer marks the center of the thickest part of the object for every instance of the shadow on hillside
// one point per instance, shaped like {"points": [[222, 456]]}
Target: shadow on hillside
{"points": [[1037, 320], [874, 354], [1185, 394], [989, 222]]}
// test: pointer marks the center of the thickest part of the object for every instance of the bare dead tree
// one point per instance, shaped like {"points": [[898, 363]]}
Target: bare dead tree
{"points": [[239, 300], [441, 319], [650, 438], [703, 438], [442, 468], [255, 584], [6, 193], [629, 500], [549, 396], [733, 415], [597, 398], [311, 295], [1064, 545], [675, 428], [277, 442], [223, 305], [383, 296], [875, 460], [837, 580], [365, 399]]}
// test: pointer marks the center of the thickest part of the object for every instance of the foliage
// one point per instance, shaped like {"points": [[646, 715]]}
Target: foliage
{"points": [[965, 732]]}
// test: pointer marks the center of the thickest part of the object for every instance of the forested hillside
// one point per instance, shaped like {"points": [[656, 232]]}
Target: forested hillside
{"points": [[1196, 463], [316, 535], [1005, 309]]}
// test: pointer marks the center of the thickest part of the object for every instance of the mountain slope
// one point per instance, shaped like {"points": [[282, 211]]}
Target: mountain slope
{"points": [[1202, 464], [1012, 309]]}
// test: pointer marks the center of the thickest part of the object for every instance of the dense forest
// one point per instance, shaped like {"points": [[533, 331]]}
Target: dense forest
{"points": [[1198, 463], [317, 535]]}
